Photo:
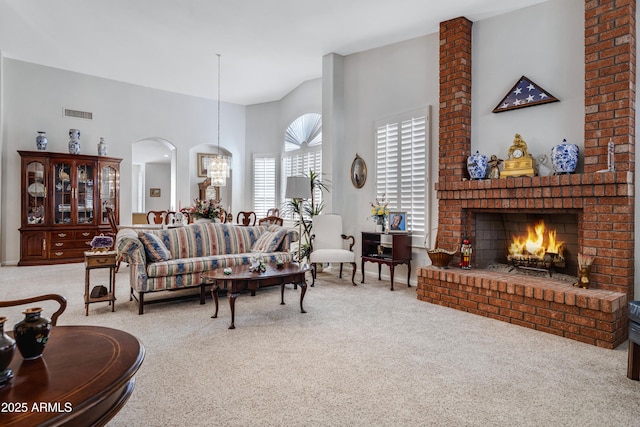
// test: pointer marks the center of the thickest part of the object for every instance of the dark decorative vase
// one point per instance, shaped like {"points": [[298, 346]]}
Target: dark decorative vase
{"points": [[32, 333], [7, 348]]}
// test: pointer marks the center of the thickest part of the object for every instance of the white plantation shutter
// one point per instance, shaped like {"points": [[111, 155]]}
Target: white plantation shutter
{"points": [[401, 166], [387, 163], [302, 152], [264, 184], [299, 164]]}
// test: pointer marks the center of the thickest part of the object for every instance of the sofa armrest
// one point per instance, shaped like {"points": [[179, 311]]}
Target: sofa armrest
{"points": [[289, 238], [128, 244]]}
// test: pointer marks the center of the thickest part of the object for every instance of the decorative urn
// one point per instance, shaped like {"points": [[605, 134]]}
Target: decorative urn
{"points": [[74, 141], [41, 141], [564, 157], [102, 147], [477, 166], [32, 333]]}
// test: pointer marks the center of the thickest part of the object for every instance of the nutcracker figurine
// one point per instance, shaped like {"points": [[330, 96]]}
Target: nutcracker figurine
{"points": [[466, 251]]}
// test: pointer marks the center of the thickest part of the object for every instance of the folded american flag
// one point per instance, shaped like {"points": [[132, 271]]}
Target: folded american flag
{"points": [[525, 93]]}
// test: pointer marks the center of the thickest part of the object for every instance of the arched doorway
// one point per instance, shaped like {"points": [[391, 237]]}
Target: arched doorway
{"points": [[153, 180]]}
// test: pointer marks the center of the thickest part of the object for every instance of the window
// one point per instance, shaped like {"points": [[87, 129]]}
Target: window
{"points": [[302, 151], [264, 184], [401, 166]]}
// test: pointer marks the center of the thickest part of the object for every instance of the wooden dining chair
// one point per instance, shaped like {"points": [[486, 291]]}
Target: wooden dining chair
{"points": [[269, 220], [156, 217], [111, 217], [246, 218], [48, 297], [187, 215], [273, 212]]}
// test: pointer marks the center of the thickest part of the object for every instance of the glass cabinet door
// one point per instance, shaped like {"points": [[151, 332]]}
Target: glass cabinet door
{"points": [[63, 193], [36, 193], [84, 193], [107, 192]]}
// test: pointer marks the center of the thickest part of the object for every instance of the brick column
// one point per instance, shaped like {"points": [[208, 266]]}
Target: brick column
{"points": [[610, 78], [455, 121]]}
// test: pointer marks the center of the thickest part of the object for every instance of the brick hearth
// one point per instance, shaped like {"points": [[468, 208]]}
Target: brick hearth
{"points": [[593, 316], [603, 202]]}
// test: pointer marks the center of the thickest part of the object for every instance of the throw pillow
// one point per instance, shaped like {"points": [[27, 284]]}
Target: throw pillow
{"points": [[154, 248], [269, 241]]}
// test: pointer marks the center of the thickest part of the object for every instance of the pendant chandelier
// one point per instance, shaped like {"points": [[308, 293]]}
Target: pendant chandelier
{"points": [[219, 164]]}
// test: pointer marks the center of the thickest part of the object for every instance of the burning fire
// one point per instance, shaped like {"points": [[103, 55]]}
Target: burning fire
{"points": [[537, 243]]}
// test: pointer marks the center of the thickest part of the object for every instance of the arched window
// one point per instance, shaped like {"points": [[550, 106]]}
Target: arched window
{"points": [[301, 153], [302, 150]]}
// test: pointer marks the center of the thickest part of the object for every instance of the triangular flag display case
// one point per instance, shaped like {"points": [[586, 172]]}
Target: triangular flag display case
{"points": [[525, 93]]}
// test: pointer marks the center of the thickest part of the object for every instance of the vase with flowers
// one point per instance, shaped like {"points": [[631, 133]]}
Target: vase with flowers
{"points": [[206, 209], [380, 213]]}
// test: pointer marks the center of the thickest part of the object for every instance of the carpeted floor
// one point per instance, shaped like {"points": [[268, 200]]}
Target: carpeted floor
{"points": [[360, 356]]}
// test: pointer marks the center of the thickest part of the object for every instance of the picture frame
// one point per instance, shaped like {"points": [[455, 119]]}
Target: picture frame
{"points": [[203, 163], [358, 172], [154, 192], [397, 222]]}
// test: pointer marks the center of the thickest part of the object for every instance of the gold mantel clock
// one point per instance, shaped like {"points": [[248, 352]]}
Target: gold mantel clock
{"points": [[519, 162]]}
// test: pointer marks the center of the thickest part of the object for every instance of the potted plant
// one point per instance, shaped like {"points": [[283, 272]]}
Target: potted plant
{"points": [[305, 210]]}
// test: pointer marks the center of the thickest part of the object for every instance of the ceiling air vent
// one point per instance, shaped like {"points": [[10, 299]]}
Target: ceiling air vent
{"points": [[78, 114]]}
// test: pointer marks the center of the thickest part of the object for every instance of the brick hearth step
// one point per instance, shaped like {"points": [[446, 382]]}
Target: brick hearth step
{"points": [[593, 316]]}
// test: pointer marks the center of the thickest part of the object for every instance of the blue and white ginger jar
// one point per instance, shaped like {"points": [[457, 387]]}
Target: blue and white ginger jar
{"points": [[74, 142], [102, 147], [477, 166], [564, 157], [41, 141]]}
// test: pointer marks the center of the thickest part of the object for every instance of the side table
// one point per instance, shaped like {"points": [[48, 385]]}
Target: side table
{"points": [[94, 260], [394, 252]]}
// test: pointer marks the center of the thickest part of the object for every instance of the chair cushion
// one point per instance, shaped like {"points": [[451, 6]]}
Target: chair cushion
{"points": [[332, 255], [269, 241], [154, 248]]}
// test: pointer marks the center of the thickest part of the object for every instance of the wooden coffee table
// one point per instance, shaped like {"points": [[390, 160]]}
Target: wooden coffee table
{"points": [[242, 279], [84, 377]]}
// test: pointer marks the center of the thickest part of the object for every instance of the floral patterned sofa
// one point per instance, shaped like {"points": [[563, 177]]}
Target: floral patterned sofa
{"points": [[176, 258]]}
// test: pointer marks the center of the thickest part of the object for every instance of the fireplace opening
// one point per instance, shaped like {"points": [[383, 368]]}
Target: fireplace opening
{"points": [[527, 240]]}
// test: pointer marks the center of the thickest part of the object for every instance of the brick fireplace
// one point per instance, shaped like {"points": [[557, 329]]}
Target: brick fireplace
{"points": [[600, 204]]}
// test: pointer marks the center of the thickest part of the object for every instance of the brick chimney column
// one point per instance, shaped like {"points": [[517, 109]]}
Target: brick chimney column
{"points": [[610, 80], [454, 129]]}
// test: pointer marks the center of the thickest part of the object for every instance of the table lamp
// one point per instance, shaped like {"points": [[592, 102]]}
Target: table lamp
{"points": [[298, 188]]}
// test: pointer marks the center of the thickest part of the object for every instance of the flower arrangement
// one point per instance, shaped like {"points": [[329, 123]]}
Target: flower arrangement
{"points": [[379, 209], [206, 209]]}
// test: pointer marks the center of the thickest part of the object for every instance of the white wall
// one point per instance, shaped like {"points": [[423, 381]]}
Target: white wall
{"points": [[267, 122], [545, 43], [157, 175], [34, 96], [380, 83]]}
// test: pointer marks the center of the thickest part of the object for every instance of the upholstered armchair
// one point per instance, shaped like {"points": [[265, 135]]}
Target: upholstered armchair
{"points": [[328, 244]]}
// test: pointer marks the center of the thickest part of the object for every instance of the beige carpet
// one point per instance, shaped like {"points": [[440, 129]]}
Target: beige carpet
{"points": [[360, 356]]}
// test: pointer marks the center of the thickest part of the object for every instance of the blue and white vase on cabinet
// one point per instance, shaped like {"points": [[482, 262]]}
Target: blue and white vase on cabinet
{"points": [[102, 147], [74, 141], [564, 157], [41, 141], [477, 166]]}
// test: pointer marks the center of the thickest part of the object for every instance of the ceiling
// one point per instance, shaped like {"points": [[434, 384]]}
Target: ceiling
{"points": [[267, 47]]}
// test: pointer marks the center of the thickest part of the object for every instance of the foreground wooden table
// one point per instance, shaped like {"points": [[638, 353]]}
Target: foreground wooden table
{"points": [[241, 279], [84, 377]]}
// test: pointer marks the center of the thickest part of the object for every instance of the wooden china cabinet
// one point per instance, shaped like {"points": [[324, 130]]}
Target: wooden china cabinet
{"points": [[64, 197]]}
